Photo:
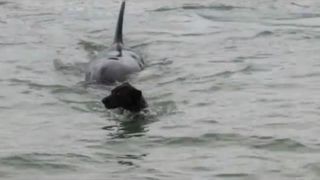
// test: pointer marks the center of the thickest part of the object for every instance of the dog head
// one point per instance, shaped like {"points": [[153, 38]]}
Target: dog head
{"points": [[125, 96]]}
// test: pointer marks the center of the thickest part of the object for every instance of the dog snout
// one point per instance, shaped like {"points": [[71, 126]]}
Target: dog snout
{"points": [[105, 100], [109, 102]]}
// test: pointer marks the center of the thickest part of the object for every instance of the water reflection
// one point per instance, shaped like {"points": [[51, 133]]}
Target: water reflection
{"points": [[130, 125]]}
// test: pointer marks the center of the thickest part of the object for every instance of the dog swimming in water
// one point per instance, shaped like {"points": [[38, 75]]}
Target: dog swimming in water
{"points": [[126, 97], [118, 63]]}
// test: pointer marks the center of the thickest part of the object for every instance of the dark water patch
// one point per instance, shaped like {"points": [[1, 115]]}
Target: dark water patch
{"points": [[262, 137], [184, 140], [158, 33], [4, 3], [104, 156], [209, 121], [201, 140], [24, 68], [35, 15], [264, 34], [5, 108], [282, 86], [223, 136], [256, 56], [201, 34], [224, 74], [278, 124], [50, 104], [12, 43], [297, 16], [307, 75], [291, 25], [174, 126], [236, 60], [219, 7], [203, 104], [252, 69], [125, 135], [201, 7], [269, 100], [10, 61], [94, 32], [127, 163], [194, 34], [69, 156], [259, 158], [132, 156], [299, 5], [296, 31], [30, 161], [276, 115], [163, 9], [285, 144], [110, 127], [235, 175], [201, 169]]}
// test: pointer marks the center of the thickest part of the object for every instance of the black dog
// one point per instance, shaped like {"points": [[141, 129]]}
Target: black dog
{"points": [[125, 96]]}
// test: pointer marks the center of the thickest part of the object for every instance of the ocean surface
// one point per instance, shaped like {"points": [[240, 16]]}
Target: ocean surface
{"points": [[233, 89]]}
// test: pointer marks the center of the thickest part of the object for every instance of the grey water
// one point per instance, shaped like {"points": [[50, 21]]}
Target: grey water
{"points": [[233, 89]]}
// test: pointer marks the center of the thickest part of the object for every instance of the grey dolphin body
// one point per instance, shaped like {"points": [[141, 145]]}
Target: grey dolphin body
{"points": [[118, 62]]}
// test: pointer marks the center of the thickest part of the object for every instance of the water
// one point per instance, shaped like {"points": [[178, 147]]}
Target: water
{"points": [[233, 89]]}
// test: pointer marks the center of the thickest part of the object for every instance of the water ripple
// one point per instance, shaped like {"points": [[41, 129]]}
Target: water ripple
{"points": [[33, 85], [264, 34], [285, 144], [235, 175], [32, 161], [220, 7], [224, 139]]}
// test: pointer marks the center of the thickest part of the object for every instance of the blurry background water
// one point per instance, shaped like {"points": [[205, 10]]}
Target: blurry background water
{"points": [[233, 87]]}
